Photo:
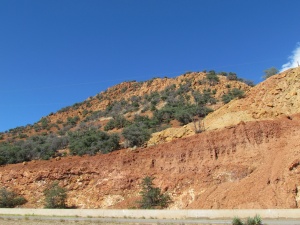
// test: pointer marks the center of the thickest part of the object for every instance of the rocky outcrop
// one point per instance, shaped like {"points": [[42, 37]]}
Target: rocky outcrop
{"points": [[278, 96]]}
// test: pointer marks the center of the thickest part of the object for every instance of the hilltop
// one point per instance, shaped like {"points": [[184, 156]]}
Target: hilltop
{"points": [[246, 155]]}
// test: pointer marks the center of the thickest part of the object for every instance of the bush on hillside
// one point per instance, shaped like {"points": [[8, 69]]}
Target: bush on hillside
{"points": [[232, 76], [151, 197], [184, 115], [34, 147], [55, 197], [232, 94], [9, 199], [136, 134], [212, 78], [204, 98], [117, 122], [270, 72], [146, 121], [248, 82], [92, 141]]}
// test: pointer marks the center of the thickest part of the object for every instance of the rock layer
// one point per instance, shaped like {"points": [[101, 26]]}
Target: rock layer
{"points": [[249, 165]]}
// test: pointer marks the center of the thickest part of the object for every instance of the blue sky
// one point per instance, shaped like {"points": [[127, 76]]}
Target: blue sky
{"points": [[58, 52]]}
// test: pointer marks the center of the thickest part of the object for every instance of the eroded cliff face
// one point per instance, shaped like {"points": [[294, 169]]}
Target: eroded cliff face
{"points": [[249, 165]]}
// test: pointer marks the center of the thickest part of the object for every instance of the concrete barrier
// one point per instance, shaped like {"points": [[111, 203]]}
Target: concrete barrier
{"points": [[159, 214]]}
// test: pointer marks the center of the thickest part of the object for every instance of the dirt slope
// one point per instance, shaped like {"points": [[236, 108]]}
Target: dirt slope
{"points": [[250, 165]]}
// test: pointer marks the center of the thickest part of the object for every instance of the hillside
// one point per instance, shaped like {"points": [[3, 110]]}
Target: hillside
{"points": [[107, 121], [246, 157]]}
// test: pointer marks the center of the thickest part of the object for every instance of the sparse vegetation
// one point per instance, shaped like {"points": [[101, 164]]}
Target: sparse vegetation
{"points": [[118, 122], [270, 72], [212, 78], [136, 134], [34, 147], [256, 220], [237, 221], [151, 197], [232, 94], [232, 76], [92, 141], [9, 199], [55, 196]]}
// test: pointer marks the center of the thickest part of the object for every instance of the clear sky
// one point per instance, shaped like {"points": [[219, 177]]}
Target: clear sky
{"points": [[55, 53]]}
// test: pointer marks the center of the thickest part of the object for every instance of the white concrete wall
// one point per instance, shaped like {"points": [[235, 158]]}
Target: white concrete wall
{"points": [[159, 214]]}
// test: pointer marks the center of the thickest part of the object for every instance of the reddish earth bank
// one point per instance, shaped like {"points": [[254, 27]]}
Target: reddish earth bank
{"points": [[249, 165]]}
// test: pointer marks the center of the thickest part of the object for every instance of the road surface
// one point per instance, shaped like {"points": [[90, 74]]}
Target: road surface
{"points": [[48, 220]]}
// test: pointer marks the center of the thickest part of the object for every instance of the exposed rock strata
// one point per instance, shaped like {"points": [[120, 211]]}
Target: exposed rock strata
{"points": [[250, 165]]}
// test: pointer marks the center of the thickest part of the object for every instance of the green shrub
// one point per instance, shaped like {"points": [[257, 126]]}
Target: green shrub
{"points": [[232, 94], [44, 122], [72, 120], [145, 120], [165, 114], [9, 199], [202, 111], [94, 115], [204, 98], [237, 221], [256, 220], [136, 134], [227, 98], [55, 196], [250, 221], [110, 125], [232, 76], [85, 112], [35, 147], [270, 72], [92, 141], [223, 73], [117, 122], [184, 116], [212, 78], [151, 196]]}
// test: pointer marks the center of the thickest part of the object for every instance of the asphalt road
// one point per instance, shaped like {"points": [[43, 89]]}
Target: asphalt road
{"points": [[55, 219]]}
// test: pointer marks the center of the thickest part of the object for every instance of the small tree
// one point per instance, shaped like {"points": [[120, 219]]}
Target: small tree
{"points": [[9, 199], [136, 134], [55, 196], [270, 72], [212, 78], [232, 76], [152, 196]]}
